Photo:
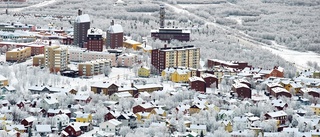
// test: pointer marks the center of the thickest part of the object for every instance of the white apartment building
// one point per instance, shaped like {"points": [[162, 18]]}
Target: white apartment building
{"points": [[82, 55]]}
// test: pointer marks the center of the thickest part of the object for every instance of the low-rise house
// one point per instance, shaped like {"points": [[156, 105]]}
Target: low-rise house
{"points": [[84, 117], [128, 119], [144, 71], [111, 126], [147, 87], [210, 79], [71, 130], [277, 92], [315, 108], [44, 89], [314, 92], [197, 128], [111, 115], [197, 84], [281, 116], [82, 98], [176, 74], [291, 85], [118, 95], [8, 89], [242, 90], [49, 102], [196, 108], [227, 125], [60, 120], [272, 85], [3, 81], [104, 87], [142, 116], [159, 112], [19, 128], [279, 104], [184, 108], [147, 107], [37, 111], [27, 122], [54, 112], [43, 130]]}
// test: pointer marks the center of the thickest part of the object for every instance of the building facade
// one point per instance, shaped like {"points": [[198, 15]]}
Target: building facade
{"points": [[94, 40], [184, 56], [38, 60], [114, 36], [81, 26], [82, 55], [93, 67], [18, 54], [126, 60], [56, 58]]}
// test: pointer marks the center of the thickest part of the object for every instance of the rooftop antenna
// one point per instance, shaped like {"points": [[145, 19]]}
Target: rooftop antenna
{"points": [[7, 9], [162, 13]]}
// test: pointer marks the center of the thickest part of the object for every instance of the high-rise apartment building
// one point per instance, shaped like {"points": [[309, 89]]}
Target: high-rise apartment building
{"points": [[183, 56], [114, 36], [94, 40], [56, 58], [81, 26]]}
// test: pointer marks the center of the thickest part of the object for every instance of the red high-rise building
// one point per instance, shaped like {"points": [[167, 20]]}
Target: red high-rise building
{"points": [[114, 36], [94, 40]]}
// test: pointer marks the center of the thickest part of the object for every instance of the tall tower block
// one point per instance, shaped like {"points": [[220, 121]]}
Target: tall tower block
{"points": [[162, 13]]}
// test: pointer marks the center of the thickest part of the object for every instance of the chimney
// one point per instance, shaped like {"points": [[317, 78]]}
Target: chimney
{"points": [[132, 85], [79, 12], [112, 22], [165, 45]]}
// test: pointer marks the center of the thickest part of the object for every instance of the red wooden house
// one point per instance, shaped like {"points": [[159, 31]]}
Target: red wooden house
{"points": [[143, 108]]}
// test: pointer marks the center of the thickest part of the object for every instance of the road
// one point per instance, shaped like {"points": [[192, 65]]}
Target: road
{"points": [[300, 59]]}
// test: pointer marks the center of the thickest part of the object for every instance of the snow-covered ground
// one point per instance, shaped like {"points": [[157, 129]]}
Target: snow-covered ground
{"points": [[298, 58], [44, 3]]}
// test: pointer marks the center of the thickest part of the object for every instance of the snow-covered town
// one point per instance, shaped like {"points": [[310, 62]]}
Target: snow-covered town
{"points": [[165, 76]]}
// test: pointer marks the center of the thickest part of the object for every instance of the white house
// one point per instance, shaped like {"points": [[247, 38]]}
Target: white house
{"points": [[62, 118], [117, 96], [111, 126], [197, 128], [49, 102], [43, 130]]}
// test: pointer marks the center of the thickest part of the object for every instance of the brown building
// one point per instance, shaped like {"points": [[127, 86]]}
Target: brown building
{"points": [[183, 56], [315, 92], [56, 58], [94, 40], [81, 26], [197, 84], [231, 64], [18, 54], [277, 92], [105, 88], [38, 60], [242, 90], [278, 115], [114, 36], [211, 80], [168, 34], [143, 108], [72, 131], [67, 40], [273, 85]]}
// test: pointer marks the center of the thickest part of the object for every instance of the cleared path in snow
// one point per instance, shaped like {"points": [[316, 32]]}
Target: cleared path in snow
{"points": [[44, 3]]}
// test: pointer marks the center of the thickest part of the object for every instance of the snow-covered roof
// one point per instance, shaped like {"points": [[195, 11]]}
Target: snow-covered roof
{"points": [[240, 85], [102, 84], [198, 127], [279, 89], [43, 128], [30, 119], [278, 103], [2, 78], [94, 31], [277, 114], [157, 124], [116, 28], [114, 122], [83, 18], [9, 88], [81, 97], [194, 78], [206, 75], [123, 94], [11, 127], [148, 86], [132, 42]]}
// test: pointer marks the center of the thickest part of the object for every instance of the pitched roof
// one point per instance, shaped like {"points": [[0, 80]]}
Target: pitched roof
{"points": [[114, 122], [194, 78], [198, 126], [43, 128], [277, 114]]}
